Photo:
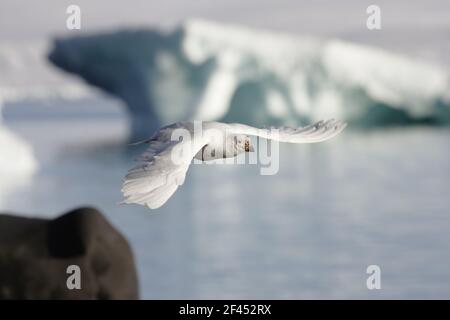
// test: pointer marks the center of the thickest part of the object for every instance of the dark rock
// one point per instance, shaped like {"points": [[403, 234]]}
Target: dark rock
{"points": [[35, 255]]}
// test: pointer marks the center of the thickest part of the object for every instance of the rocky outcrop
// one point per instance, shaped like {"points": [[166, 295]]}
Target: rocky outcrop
{"points": [[36, 255]]}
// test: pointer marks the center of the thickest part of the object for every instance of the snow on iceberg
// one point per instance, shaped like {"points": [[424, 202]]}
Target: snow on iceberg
{"points": [[25, 75], [16, 156], [22, 76], [17, 163], [210, 71]]}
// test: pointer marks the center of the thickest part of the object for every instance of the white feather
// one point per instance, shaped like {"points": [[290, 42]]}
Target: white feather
{"points": [[157, 177]]}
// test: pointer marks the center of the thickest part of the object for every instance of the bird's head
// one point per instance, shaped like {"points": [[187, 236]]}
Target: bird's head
{"points": [[243, 143]]}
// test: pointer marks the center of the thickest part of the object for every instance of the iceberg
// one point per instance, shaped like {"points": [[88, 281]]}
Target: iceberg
{"points": [[211, 71], [17, 157], [17, 163], [22, 76], [25, 76]]}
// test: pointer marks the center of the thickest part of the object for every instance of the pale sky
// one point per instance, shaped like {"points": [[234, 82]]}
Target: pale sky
{"points": [[419, 28]]}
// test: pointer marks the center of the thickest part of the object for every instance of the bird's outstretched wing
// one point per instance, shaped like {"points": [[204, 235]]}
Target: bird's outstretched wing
{"points": [[317, 132], [161, 170]]}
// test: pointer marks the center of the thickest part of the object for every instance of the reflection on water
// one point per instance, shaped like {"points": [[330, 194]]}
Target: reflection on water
{"points": [[378, 197]]}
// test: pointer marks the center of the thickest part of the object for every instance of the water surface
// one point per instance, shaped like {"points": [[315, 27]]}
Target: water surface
{"points": [[367, 197]]}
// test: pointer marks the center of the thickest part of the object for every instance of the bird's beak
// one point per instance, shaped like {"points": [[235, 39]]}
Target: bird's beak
{"points": [[251, 149]]}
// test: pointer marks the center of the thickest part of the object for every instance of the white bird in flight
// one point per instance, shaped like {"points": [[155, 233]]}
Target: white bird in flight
{"points": [[164, 164]]}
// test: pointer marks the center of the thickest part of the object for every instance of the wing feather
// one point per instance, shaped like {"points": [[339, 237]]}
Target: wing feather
{"points": [[317, 132], [155, 179]]}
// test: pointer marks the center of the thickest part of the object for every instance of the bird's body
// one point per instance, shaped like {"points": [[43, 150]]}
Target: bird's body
{"points": [[164, 164]]}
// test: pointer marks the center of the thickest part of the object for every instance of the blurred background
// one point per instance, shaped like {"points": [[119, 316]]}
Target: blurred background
{"points": [[70, 100]]}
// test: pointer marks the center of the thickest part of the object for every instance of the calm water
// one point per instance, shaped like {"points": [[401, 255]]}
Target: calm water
{"points": [[368, 197]]}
